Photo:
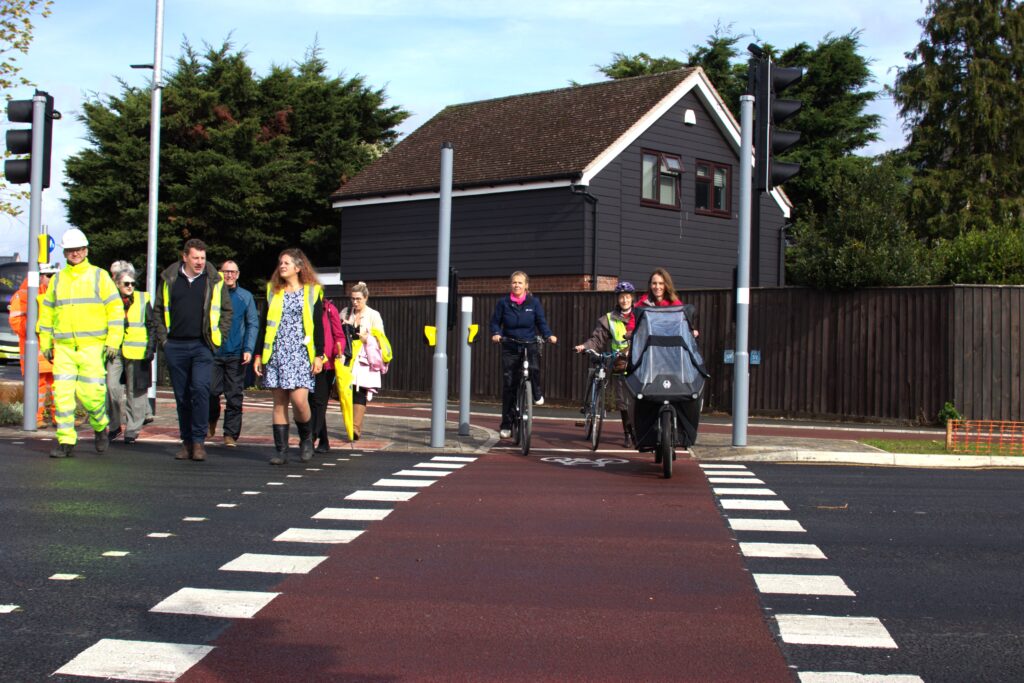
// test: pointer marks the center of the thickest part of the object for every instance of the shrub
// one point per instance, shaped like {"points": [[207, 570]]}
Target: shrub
{"points": [[949, 412]]}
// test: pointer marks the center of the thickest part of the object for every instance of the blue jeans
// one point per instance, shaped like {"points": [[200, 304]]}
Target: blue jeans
{"points": [[190, 364]]}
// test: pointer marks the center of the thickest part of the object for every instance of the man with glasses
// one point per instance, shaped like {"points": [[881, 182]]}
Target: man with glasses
{"points": [[235, 353], [80, 322]]}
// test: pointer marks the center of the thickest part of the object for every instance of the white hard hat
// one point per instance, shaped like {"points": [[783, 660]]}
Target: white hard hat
{"points": [[48, 268], [73, 239]]}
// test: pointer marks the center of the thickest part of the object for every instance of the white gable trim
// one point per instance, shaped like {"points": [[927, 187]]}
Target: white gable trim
{"points": [[722, 117], [470, 192]]}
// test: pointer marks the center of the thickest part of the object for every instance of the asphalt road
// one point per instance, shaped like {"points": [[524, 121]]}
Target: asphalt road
{"points": [[935, 555]]}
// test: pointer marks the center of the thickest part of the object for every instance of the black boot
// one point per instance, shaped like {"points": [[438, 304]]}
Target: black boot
{"points": [[628, 439], [63, 450], [305, 439], [101, 440], [280, 444]]}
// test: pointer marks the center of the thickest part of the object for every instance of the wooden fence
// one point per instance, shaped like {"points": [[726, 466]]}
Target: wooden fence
{"points": [[878, 354]]}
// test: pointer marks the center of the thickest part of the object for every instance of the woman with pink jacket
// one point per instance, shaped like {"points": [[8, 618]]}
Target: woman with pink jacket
{"points": [[334, 347]]}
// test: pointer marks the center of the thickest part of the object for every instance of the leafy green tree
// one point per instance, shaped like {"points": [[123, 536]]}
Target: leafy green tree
{"points": [[859, 236], [16, 33], [962, 100], [247, 162]]}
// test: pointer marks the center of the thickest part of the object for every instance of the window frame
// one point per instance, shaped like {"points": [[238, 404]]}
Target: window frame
{"points": [[713, 166], [660, 165]]}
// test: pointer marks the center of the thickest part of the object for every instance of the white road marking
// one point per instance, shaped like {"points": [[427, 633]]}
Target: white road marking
{"points": [[452, 458], [274, 564], [312, 469], [721, 466], [414, 483], [193, 519], [342, 459], [847, 677], [294, 476], [330, 464], [65, 577], [421, 473], [318, 536], [802, 551], [115, 553], [803, 584], [766, 525], [439, 466], [734, 480], [809, 629], [250, 493], [210, 602], [227, 505], [275, 483], [728, 473], [353, 514], [726, 491], [7, 609], [159, 534], [384, 496], [135, 660], [744, 504]]}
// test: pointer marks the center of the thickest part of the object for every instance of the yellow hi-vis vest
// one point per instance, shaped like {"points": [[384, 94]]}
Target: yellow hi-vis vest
{"points": [[81, 307], [214, 309], [618, 330], [310, 295], [135, 337]]}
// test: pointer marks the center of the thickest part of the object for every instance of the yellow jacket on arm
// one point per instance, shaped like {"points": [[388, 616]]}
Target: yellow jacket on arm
{"points": [[81, 307]]}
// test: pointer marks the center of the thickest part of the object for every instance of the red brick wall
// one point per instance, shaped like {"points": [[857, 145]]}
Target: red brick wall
{"points": [[490, 285]]}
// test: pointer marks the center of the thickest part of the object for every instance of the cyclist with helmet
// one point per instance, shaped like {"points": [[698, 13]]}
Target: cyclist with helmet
{"points": [[613, 331]]}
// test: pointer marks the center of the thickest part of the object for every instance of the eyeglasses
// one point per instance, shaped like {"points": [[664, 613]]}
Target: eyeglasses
{"points": [[128, 283], [229, 272]]}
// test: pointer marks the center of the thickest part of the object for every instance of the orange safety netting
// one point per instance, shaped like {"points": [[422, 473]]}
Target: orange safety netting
{"points": [[989, 437]]}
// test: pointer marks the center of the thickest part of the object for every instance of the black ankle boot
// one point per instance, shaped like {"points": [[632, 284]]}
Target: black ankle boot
{"points": [[305, 439], [280, 444]]}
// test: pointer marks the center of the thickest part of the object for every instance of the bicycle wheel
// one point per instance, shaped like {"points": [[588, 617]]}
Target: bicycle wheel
{"points": [[516, 410], [588, 424], [595, 432], [526, 417], [666, 443]]}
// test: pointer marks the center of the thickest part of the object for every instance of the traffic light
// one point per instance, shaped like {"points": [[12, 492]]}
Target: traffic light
{"points": [[770, 80], [19, 140]]}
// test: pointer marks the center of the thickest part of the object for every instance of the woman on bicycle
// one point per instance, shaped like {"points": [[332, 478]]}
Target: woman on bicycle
{"points": [[613, 332], [518, 316]]}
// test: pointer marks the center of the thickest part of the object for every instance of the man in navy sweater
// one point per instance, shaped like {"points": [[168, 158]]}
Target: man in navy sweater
{"points": [[230, 359]]}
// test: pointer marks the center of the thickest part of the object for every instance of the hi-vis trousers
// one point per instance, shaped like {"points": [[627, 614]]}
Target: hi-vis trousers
{"points": [[79, 371]]}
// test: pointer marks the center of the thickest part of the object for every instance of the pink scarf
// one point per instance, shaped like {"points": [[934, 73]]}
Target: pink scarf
{"points": [[517, 301]]}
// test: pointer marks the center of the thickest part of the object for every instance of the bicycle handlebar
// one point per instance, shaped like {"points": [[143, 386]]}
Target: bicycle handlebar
{"points": [[523, 342]]}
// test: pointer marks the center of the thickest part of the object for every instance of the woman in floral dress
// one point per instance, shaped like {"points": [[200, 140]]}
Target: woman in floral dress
{"points": [[291, 348]]}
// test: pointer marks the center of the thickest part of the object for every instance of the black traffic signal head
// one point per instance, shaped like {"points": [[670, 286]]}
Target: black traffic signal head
{"points": [[769, 80], [19, 140]]}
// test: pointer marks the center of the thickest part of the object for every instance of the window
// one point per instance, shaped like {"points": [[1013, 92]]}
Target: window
{"points": [[660, 178], [713, 190]]}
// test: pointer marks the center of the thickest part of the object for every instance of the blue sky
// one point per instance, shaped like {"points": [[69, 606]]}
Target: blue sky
{"points": [[425, 53]]}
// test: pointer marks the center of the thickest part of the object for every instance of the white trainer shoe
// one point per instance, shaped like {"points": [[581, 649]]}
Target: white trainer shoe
{"points": [[505, 433], [539, 401]]}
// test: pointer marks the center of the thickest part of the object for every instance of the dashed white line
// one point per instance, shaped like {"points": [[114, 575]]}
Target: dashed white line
{"points": [[275, 483], [227, 505], [318, 536], [799, 551], [274, 564], [383, 496], [250, 493], [135, 660], [293, 476], [802, 584], [767, 525], [193, 519], [809, 629], [744, 504], [742, 492], [159, 534], [847, 677], [352, 514], [211, 602], [115, 553], [7, 609]]}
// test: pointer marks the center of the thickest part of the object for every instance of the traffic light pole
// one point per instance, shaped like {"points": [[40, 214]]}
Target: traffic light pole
{"points": [[439, 392], [741, 366], [31, 392]]}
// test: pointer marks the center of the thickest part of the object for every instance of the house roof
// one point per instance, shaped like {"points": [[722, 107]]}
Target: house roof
{"points": [[549, 135]]}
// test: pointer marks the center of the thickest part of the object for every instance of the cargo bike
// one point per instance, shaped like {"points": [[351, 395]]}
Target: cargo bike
{"points": [[666, 375]]}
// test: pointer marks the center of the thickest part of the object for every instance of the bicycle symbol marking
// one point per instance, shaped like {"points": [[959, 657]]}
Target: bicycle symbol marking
{"points": [[573, 462]]}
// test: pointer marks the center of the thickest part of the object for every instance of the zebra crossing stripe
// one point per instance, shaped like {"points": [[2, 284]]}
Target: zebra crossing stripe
{"points": [[742, 492], [274, 564], [729, 473], [734, 480], [318, 536], [721, 466], [382, 496], [452, 458], [745, 504], [802, 584], [211, 602], [766, 525], [352, 514], [809, 629], [439, 465], [414, 483], [135, 660], [421, 473], [798, 551], [847, 677]]}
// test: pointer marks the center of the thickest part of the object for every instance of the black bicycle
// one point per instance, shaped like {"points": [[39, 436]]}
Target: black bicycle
{"points": [[665, 451], [522, 409], [594, 408]]}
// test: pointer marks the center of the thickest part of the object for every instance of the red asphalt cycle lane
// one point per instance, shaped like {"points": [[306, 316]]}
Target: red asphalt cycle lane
{"points": [[517, 569]]}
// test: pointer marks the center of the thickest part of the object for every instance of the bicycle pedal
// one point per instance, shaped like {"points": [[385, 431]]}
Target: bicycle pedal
{"points": [[581, 423]]}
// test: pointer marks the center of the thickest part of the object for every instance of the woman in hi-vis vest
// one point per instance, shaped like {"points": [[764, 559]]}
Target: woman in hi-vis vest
{"points": [[290, 348]]}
